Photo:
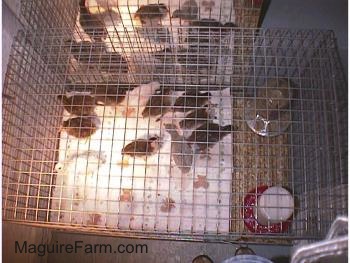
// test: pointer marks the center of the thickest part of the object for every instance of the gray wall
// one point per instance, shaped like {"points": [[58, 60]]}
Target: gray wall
{"points": [[10, 25], [312, 14]]}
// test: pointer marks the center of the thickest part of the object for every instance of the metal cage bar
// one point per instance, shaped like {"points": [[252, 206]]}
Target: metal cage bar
{"points": [[156, 131]]}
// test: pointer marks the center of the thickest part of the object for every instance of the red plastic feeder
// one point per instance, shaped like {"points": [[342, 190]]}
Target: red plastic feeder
{"points": [[250, 221]]}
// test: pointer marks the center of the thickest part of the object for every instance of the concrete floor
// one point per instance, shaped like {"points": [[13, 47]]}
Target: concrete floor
{"points": [[158, 251], [282, 13]]}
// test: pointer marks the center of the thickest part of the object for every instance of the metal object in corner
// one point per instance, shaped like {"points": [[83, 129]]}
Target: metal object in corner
{"points": [[333, 249]]}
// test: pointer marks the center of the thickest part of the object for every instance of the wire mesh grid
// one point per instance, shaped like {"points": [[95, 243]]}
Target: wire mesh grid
{"points": [[37, 15], [61, 13], [174, 131]]}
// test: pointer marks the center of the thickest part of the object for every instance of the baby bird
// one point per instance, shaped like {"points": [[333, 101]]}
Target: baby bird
{"points": [[78, 104], [81, 127], [142, 147], [112, 62], [165, 56], [181, 151], [195, 60], [110, 95], [207, 135], [158, 104], [152, 14], [86, 51], [191, 100], [202, 259], [207, 33], [92, 24], [95, 55], [230, 25], [195, 119], [207, 24], [188, 11]]}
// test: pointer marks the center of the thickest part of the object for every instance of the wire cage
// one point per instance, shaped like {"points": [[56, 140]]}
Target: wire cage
{"points": [[176, 130]]}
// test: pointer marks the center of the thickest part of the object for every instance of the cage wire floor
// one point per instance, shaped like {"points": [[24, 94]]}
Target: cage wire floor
{"points": [[52, 177]]}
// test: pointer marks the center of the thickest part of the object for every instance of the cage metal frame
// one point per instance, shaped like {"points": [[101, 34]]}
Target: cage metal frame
{"points": [[307, 57]]}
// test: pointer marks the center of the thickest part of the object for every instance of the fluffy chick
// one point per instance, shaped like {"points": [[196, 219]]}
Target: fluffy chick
{"points": [[110, 95], [86, 51], [142, 147], [195, 119], [158, 104], [191, 100], [165, 56], [152, 14], [78, 104], [95, 55], [81, 127], [92, 24], [207, 33], [181, 151], [112, 62], [207, 135], [188, 11]]}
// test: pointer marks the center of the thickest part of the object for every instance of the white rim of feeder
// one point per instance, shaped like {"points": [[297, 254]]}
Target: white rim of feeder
{"points": [[275, 205]]}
